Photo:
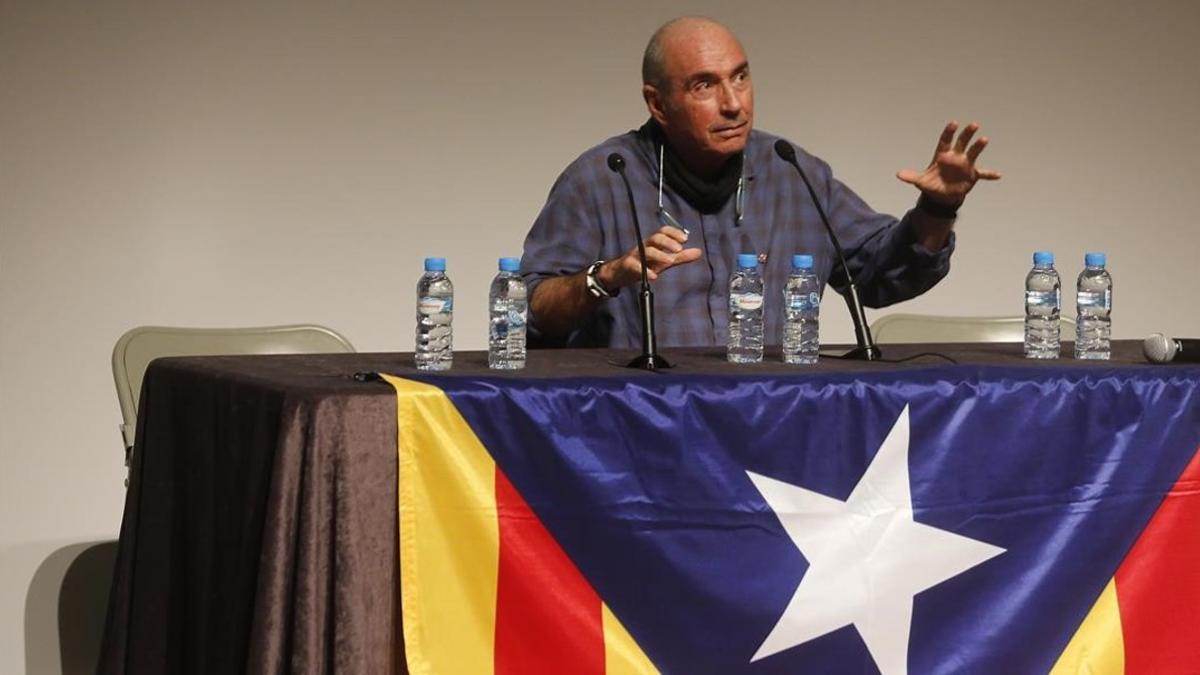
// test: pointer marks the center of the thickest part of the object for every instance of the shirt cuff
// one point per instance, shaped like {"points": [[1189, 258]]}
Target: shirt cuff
{"points": [[909, 234]]}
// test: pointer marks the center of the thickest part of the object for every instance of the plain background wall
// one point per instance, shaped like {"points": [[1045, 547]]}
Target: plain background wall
{"points": [[217, 164]]}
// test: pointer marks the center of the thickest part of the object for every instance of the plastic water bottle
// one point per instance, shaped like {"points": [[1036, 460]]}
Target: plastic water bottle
{"points": [[508, 309], [1043, 309], [435, 311], [746, 311], [801, 306], [1093, 309]]}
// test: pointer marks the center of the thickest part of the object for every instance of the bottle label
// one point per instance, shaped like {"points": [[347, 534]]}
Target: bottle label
{"points": [[803, 303], [1043, 301], [428, 305], [1094, 300], [748, 301], [516, 319]]}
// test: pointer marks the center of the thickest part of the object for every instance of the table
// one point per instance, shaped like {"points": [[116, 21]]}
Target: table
{"points": [[260, 525]]}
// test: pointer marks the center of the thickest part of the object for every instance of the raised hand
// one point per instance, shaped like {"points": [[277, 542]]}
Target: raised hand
{"points": [[952, 172]]}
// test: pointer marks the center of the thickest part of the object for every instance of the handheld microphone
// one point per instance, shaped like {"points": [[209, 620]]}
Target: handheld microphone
{"points": [[867, 350], [1159, 348], [649, 359]]}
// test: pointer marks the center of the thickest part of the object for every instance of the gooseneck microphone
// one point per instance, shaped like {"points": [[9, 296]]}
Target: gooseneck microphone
{"points": [[867, 350], [649, 359], [1159, 348]]}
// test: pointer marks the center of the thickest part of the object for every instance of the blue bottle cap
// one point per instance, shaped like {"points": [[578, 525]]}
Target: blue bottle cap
{"points": [[435, 264], [802, 262], [747, 261], [1043, 258], [1095, 259], [510, 264]]}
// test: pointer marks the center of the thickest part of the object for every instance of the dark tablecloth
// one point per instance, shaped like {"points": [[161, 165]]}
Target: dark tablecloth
{"points": [[260, 525]]}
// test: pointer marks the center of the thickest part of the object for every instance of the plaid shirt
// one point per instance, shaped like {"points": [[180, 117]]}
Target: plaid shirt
{"points": [[587, 218]]}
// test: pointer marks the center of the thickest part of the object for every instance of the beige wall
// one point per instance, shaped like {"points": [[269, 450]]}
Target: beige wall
{"points": [[207, 165]]}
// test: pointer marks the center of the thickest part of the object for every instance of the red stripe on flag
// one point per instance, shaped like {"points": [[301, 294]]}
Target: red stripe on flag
{"points": [[547, 615], [1158, 585]]}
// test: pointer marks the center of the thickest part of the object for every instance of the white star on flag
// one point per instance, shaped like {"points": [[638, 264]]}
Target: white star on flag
{"points": [[867, 557]]}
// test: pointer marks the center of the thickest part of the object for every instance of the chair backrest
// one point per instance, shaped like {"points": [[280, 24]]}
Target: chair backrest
{"points": [[911, 328], [139, 346]]}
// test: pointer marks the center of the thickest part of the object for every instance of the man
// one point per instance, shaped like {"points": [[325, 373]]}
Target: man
{"points": [[707, 187]]}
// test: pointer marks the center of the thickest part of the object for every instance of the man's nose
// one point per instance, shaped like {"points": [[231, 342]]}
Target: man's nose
{"points": [[731, 104]]}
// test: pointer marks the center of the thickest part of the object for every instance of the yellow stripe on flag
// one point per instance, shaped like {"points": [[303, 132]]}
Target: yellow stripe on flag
{"points": [[622, 656], [449, 538], [1098, 647]]}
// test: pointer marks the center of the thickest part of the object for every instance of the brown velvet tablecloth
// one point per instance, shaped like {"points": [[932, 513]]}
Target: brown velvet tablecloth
{"points": [[260, 525]]}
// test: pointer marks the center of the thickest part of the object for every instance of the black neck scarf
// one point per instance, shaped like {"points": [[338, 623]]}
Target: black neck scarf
{"points": [[707, 196]]}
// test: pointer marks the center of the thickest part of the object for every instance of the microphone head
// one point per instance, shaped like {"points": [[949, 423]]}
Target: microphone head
{"points": [[1159, 348], [616, 162], [785, 150]]}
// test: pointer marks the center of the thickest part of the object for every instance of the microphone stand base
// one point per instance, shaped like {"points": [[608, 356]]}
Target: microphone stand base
{"points": [[856, 354], [649, 362]]}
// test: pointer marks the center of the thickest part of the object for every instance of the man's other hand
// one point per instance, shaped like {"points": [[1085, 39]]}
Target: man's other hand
{"points": [[664, 250]]}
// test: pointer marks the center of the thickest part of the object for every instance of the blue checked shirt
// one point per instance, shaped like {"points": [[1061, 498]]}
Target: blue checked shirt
{"points": [[586, 218]]}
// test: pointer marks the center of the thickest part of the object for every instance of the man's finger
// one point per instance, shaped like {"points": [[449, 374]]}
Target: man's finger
{"points": [[663, 241], [908, 176], [656, 257], [947, 137], [977, 148], [984, 174], [675, 260], [688, 255], [965, 137], [674, 233]]}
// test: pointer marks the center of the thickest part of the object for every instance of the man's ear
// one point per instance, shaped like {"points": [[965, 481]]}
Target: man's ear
{"points": [[654, 104]]}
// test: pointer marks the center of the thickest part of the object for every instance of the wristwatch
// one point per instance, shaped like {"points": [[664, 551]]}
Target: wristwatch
{"points": [[937, 209], [594, 287]]}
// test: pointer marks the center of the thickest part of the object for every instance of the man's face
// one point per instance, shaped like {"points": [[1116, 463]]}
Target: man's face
{"points": [[707, 108]]}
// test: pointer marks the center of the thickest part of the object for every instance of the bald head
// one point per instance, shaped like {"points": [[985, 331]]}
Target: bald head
{"points": [[670, 36], [696, 84]]}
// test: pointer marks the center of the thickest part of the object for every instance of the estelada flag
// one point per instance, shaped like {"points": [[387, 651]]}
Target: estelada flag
{"points": [[679, 525]]}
